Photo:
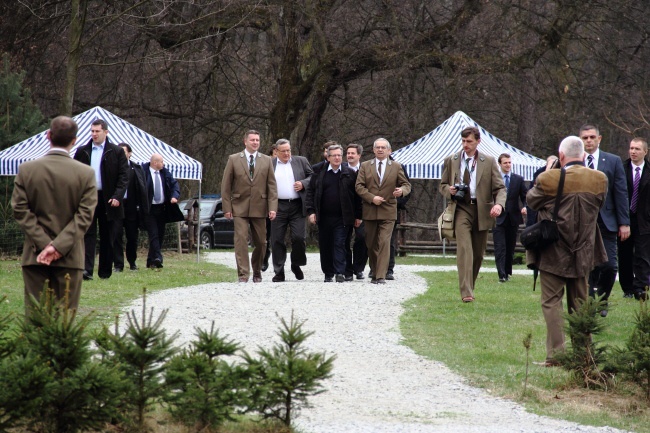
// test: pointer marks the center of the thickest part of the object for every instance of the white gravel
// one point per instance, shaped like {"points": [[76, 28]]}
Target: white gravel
{"points": [[378, 384]]}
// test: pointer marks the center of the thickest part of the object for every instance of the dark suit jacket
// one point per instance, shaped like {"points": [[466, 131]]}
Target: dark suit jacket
{"points": [[368, 186], [54, 200], [350, 201], [301, 172], [516, 193], [643, 203], [114, 176], [616, 211], [246, 197], [136, 207], [171, 189]]}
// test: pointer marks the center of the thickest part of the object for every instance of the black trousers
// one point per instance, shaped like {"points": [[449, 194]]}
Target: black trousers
{"points": [[356, 254], [634, 260], [156, 231], [393, 250], [331, 242], [105, 227], [289, 215], [505, 240], [602, 278], [130, 227]]}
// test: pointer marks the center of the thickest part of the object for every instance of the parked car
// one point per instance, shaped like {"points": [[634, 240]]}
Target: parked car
{"points": [[216, 230]]}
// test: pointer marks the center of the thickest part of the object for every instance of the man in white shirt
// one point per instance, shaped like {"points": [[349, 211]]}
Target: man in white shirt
{"points": [[292, 176]]}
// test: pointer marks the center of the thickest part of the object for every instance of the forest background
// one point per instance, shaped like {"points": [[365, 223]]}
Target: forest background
{"points": [[198, 73]]}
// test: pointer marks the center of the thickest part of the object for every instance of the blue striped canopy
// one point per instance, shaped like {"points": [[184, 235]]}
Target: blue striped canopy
{"points": [[424, 158], [119, 131]]}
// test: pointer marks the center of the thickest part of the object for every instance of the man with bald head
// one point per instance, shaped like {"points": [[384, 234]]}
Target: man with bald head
{"points": [[163, 193]]}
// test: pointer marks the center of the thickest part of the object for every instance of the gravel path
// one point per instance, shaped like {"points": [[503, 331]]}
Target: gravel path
{"points": [[378, 385]]}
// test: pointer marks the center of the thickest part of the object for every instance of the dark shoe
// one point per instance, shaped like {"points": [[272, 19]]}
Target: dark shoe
{"points": [[390, 276], [629, 295], [257, 277], [278, 278], [118, 270], [329, 280], [243, 279], [349, 278], [503, 280], [340, 278], [373, 281], [468, 299], [603, 313], [380, 281], [157, 263], [87, 276], [134, 267], [641, 296], [371, 275], [265, 264], [360, 276], [297, 272]]}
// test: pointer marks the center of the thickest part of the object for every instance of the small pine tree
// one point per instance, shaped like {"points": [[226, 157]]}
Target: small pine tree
{"points": [[586, 357], [205, 389], [141, 352], [527, 343], [287, 375]]}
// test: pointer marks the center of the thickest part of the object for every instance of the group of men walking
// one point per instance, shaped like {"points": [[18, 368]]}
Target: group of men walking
{"points": [[340, 197]]}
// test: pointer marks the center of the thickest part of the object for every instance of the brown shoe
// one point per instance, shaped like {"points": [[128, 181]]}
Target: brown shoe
{"points": [[243, 279], [468, 299], [257, 277]]}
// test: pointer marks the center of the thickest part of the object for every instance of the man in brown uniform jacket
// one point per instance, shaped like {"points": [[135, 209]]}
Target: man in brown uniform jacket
{"points": [[249, 194], [54, 199], [567, 262], [379, 182]]}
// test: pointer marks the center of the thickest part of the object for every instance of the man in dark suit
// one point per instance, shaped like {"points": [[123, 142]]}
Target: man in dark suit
{"points": [[333, 204], [111, 176], [505, 232], [551, 162], [474, 214], [561, 264], [249, 195], [292, 177], [634, 253], [614, 217], [379, 182], [357, 251], [136, 208], [54, 199], [163, 193]]}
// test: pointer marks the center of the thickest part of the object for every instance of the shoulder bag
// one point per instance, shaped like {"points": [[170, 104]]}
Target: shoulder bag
{"points": [[543, 233]]}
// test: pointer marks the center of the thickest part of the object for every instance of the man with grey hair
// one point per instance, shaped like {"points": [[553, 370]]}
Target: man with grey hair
{"points": [[567, 262], [379, 182], [292, 176]]}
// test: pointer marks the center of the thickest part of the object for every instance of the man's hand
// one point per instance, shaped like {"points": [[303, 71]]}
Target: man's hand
{"points": [[114, 202], [524, 212], [453, 190], [357, 223], [48, 255], [228, 215], [312, 218], [496, 210], [272, 215], [298, 186], [378, 200], [623, 232], [174, 200], [398, 192]]}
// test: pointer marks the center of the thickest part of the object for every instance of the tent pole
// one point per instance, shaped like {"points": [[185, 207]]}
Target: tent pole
{"points": [[198, 242], [444, 241]]}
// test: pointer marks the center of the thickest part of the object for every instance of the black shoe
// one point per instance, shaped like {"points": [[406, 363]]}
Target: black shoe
{"points": [[603, 313], [349, 278], [340, 278], [628, 295], [360, 276], [329, 280], [373, 281], [297, 272], [157, 263], [503, 280], [87, 276], [371, 275], [118, 270], [278, 278], [134, 267], [265, 263], [390, 276], [380, 281]]}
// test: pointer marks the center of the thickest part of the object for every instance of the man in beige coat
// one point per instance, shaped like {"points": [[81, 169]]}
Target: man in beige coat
{"points": [[249, 195], [484, 200], [567, 262], [54, 200], [379, 182]]}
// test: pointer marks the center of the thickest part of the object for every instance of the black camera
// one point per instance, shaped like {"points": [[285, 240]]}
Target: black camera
{"points": [[461, 190]]}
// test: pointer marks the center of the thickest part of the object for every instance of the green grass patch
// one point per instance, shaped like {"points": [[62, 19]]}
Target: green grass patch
{"points": [[483, 341]]}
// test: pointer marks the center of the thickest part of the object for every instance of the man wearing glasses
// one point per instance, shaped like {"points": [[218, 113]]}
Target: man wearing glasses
{"points": [[379, 182], [292, 176], [614, 217]]}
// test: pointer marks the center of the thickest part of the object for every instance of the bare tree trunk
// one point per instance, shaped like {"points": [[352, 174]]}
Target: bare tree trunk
{"points": [[77, 22]]}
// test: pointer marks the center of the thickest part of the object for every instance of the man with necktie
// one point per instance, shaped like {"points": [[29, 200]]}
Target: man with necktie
{"points": [[634, 253], [614, 217], [249, 195], [163, 193], [505, 232]]}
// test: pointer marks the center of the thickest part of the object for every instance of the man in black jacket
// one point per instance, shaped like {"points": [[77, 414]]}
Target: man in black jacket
{"points": [[163, 193], [333, 204], [135, 213], [111, 167]]}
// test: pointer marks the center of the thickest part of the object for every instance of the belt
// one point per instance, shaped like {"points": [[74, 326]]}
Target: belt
{"points": [[472, 201], [289, 200]]}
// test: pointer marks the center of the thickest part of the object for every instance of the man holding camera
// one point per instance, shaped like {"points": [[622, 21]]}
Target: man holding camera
{"points": [[473, 182]]}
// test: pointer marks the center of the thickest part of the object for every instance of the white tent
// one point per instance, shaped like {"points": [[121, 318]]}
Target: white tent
{"points": [[119, 130], [424, 158]]}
